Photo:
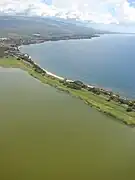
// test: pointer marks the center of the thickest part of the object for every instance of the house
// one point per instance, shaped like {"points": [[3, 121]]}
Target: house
{"points": [[69, 81], [36, 35], [90, 87]]}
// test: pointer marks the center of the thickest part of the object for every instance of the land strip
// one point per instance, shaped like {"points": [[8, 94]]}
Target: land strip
{"points": [[104, 101]]}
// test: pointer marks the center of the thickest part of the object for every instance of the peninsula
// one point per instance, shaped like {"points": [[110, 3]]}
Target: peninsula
{"points": [[105, 101]]}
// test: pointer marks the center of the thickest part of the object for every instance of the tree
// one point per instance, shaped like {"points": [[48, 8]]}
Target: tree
{"points": [[96, 91], [130, 103], [74, 86], [129, 109], [79, 83], [123, 101]]}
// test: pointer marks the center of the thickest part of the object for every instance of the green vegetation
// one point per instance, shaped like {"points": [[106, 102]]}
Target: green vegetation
{"points": [[94, 98], [25, 27], [8, 62]]}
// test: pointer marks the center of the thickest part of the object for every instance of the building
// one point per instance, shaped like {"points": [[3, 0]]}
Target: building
{"points": [[36, 35]]}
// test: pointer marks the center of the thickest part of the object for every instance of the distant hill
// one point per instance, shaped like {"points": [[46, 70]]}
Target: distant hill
{"points": [[25, 26]]}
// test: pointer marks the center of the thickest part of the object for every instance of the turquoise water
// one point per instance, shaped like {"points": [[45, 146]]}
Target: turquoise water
{"points": [[46, 134], [107, 61]]}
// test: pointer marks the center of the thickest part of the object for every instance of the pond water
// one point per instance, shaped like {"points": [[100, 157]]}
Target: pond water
{"points": [[46, 134]]}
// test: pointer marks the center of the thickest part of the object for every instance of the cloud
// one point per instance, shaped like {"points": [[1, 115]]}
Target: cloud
{"points": [[100, 11], [29, 7]]}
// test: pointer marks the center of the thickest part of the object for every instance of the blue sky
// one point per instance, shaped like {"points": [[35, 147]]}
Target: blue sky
{"points": [[132, 2], [48, 2]]}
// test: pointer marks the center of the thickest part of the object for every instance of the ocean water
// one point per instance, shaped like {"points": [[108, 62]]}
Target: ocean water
{"points": [[108, 61]]}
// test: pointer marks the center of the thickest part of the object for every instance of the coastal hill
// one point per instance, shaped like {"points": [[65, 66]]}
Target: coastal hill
{"points": [[47, 27]]}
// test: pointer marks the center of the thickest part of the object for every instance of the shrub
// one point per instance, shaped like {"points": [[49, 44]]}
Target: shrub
{"points": [[74, 86], [130, 103], [96, 91], [129, 109]]}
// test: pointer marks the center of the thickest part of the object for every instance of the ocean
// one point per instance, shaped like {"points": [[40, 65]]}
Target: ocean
{"points": [[107, 61]]}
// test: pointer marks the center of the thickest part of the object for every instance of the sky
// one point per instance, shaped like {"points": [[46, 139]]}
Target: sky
{"points": [[99, 11]]}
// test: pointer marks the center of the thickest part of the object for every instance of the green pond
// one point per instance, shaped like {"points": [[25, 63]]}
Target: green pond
{"points": [[48, 135]]}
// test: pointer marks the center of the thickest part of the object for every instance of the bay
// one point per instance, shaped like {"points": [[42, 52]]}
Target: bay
{"points": [[107, 61]]}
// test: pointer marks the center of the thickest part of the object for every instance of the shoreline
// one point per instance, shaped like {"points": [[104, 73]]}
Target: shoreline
{"points": [[125, 96], [94, 99], [53, 39], [105, 101], [70, 39], [49, 72]]}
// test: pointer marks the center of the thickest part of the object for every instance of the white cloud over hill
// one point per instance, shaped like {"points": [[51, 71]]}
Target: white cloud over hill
{"points": [[102, 11]]}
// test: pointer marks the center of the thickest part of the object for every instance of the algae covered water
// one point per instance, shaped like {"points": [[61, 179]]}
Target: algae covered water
{"points": [[46, 134]]}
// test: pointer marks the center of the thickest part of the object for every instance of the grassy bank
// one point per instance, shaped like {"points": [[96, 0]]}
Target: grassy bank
{"points": [[113, 109]]}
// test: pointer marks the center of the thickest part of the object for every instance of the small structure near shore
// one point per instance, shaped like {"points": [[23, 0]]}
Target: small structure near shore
{"points": [[36, 35]]}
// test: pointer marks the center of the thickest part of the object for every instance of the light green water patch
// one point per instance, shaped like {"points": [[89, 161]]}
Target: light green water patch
{"points": [[46, 134]]}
